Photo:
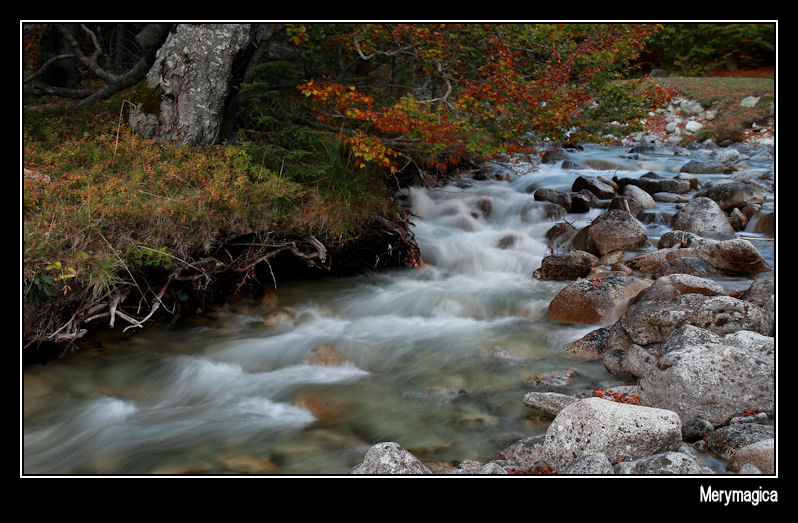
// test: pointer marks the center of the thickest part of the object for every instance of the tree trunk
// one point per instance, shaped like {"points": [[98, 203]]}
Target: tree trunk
{"points": [[191, 77]]}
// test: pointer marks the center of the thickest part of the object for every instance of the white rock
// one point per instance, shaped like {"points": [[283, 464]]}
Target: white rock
{"points": [[693, 126], [749, 101]]}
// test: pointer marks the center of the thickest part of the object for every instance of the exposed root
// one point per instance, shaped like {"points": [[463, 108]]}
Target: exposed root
{"points": [[190, 286]]}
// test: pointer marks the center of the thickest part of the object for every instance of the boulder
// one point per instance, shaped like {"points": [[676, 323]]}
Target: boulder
{"points": [[620, 431], [732, 257], [727, 441], [704, 217], [665, 463], [602, 190], [525, 453], [615, 230], [390, 458], [688, 284], [550, 195], [762, 293], [706, 167], [652, 321], [568, 266], [761, 454], [595, 301], [731, 195], [711, 377], [654, 183], [548, 402], [592, 464]]}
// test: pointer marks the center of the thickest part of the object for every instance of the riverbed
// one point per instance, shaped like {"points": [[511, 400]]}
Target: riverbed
{"points": [[436, 358]]}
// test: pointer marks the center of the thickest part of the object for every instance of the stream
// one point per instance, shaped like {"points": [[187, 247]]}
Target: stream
{"points": [[438, 358]]}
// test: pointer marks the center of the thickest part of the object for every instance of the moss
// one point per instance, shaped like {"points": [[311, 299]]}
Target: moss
{"points": [[148, 97]]}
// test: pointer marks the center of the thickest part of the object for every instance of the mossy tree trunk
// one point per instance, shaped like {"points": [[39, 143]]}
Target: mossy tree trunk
{"points": [[192, 79]]}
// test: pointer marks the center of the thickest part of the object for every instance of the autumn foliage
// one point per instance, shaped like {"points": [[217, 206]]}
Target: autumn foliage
{"points": [[440, 93]]}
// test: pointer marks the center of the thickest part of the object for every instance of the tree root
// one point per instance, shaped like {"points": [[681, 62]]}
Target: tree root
{"points": [[392, 242]]}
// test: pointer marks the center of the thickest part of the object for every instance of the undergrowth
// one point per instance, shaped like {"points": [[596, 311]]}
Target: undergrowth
{"points": [[104, 209]]}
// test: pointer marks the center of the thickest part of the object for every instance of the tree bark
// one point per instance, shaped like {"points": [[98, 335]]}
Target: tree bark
{"points": [[192, 76]]}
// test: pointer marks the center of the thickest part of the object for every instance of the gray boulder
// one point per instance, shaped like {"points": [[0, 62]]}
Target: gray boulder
{"points": [[652, 321], [615, 230], [620, 431], [665, 463], [704, 217], [712, 377], [592, 465], [733, 195], [727, 441]]}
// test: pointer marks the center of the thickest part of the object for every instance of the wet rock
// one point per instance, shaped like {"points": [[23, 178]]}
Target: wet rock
{"points": [[712, 377], [731, 195], [595, 301], [507, 242], [618, 430], [615, 230], [669, 197], [694, 429], [592, 464], [665, 463], [325, 355], [762, 293], [243, 464], [704, 217], [654, 183], [766, 224], [737, 219], [583, 201], [706, 167], [568, 266], [638, 195], [548, 402], [761, 454], [687, 284], [573, 165], [595, 343], [726, 441], [526, 453], [602, 190], [390, 458], [549, 380], [560, 235], [553, 155], [735, 256], [544, 194], [626, 204]]}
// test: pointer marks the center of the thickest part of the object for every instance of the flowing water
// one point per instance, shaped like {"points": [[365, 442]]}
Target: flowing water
{"points": [[437, 358]]}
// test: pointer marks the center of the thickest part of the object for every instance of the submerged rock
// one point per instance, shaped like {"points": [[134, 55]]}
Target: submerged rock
{"points": [[568, 266]]}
